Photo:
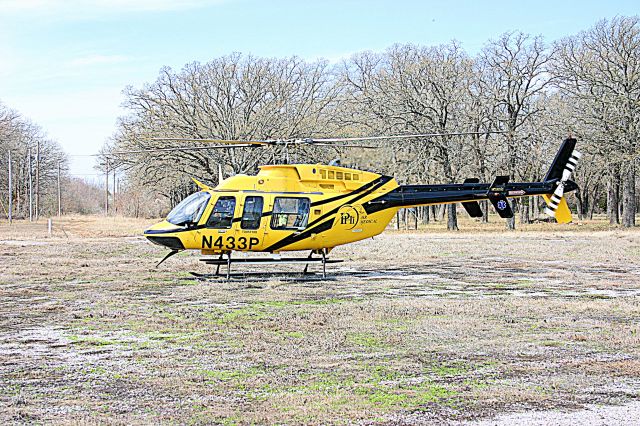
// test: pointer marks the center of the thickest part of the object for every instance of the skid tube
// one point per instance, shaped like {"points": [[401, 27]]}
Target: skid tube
{"points": [[220, 261]]}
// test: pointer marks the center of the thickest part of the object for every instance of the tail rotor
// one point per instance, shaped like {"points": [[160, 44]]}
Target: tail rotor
{"points": [[557, 200]]}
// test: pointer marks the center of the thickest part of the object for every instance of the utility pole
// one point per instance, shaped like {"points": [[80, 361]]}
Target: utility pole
{"points": [[10, 194], [106, 189], [37, 213], [19, 181], [118, 188], [115, 209], [59, 193], [30, 189]]}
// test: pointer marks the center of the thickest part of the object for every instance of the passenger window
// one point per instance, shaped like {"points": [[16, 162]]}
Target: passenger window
{"points": [[222, 215], [290, 213], [251, 213]]}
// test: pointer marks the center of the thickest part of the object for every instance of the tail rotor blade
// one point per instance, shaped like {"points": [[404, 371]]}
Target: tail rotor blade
{"points": [[558, 193], [554, 201]]}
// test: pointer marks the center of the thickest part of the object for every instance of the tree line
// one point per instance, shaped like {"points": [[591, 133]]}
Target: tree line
{"points": [[35, 162], [535, 93]]}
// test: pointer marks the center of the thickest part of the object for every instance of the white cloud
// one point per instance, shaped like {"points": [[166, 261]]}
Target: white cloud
{"points": [[96, 8]]}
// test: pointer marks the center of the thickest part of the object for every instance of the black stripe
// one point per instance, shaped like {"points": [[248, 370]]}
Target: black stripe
{"points": [[326, 225], [339, 197], [378, 183], [171, 231]]}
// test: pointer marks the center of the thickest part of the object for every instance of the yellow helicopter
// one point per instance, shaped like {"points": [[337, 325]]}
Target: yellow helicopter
{"points": [[317, 207]]}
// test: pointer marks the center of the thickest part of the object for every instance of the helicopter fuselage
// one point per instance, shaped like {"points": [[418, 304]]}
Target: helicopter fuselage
{"points": [[283, 208]]}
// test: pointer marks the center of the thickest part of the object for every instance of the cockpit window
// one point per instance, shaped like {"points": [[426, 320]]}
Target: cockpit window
{"points": [[222, 214], [189, 211]]}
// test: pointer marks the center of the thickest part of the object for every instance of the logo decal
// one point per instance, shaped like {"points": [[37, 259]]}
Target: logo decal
{"points": [[501, 205], [348, 217]]}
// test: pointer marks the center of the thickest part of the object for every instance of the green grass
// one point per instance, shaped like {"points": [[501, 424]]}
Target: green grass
{"points": [[366, 340], [213, 376]]}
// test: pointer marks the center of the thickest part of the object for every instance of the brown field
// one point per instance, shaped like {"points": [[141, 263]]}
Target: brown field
{"points": [[415, 327]]}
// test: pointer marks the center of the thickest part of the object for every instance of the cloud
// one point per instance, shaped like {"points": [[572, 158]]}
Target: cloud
{"points": [[97, 8]]}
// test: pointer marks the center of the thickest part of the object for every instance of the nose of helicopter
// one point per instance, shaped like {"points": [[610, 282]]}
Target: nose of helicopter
{"points": [[162, 234], [161, 227]]}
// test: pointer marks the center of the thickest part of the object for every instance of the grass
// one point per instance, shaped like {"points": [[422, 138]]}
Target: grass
{"points": [[424, 332]]}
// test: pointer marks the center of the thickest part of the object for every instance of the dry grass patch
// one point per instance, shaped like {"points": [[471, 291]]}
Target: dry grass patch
{"points": [[426, 326]]}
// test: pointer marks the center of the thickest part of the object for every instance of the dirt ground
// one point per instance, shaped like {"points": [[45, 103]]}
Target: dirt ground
{"points": [[417, 327]]}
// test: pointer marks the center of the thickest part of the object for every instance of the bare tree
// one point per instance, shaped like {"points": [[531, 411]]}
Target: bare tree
{"points": [[411, 89], [19, 135], [600, 68], [516, 71], [234, 97]]}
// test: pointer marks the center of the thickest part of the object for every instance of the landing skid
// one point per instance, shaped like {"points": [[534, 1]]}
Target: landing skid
{"points": [[220, 261], [262, 276]]}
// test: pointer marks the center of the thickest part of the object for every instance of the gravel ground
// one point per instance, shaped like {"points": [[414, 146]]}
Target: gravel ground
{"points": [[592, 415], [414, 328]]}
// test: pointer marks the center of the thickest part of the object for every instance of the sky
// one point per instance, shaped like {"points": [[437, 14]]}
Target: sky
{"points": [[64, 63]]}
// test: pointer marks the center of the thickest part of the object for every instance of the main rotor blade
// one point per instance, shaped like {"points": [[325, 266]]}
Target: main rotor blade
{"points": [[417, 135], [181, 148], [224, 141], [342, 145]]}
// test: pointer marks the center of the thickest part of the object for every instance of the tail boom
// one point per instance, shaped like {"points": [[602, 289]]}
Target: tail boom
{"points": [[556, 183]]}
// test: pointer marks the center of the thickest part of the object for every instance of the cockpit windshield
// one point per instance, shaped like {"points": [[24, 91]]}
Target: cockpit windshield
{"points": [[189, 211]]}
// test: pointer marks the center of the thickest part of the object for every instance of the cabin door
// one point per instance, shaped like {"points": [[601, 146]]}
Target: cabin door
{"points": [[219, 234], [248, 227]]}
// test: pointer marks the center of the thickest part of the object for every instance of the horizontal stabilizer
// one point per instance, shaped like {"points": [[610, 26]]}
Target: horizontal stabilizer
{"points": [[499, 183], [473, 208]]}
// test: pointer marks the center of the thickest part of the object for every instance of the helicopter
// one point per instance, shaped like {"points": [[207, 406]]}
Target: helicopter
{"points": [[317, 207]]}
